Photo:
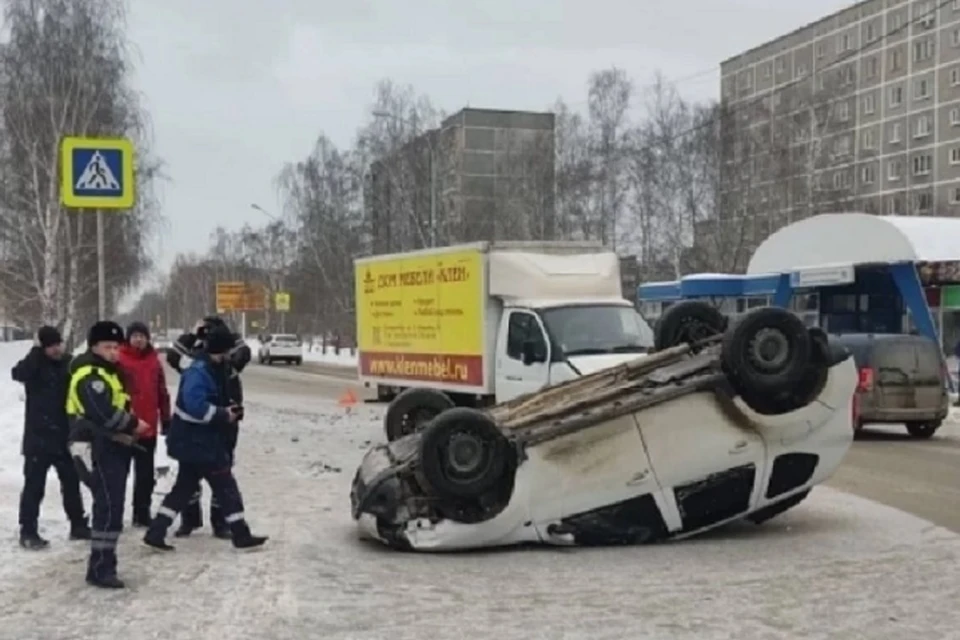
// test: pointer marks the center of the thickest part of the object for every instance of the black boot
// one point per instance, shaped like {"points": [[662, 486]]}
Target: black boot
{"points": [[243, 539], [32, 541], [154, 537], [105, 582], [80, 530], [222, 532]]}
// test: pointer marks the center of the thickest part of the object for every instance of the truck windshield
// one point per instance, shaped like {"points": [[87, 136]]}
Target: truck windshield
{"points": [[583, 330]]}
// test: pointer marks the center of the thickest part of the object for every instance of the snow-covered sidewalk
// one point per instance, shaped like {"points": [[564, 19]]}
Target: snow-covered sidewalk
{"points": [[835, 567]]}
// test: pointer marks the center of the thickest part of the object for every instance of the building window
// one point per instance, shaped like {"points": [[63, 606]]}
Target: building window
{"points": [[867, 175], [926, 15], [896, 59], [871, 32], [923, 50], [921, 89], [893, 206], [955, 116], [869, 104], [843, 111], [956, 5], [873, 67], [924, 201], [955, 37], [955, 155], [801, 70], [895, 132], [844, 43], [955, 76], [781, 65], [841, 146], [922, 127], [841, 180], [821, 50], [868, 140], [896, 97], [894, 169], [896, 22], [955, 195], [921, 165], [767, 71]]}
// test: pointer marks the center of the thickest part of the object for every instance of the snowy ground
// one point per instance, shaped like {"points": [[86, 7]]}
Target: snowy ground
{"points": [[837, 566], [315, 353]]}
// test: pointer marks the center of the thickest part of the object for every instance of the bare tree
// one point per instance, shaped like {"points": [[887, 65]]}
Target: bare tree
{"points": [[63, 71]]}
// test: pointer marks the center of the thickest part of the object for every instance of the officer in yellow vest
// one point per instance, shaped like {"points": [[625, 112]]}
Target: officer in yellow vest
{"points": [[99, 412]]}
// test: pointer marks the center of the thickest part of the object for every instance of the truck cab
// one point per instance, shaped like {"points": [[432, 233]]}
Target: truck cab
{"points": [[544, 342]]}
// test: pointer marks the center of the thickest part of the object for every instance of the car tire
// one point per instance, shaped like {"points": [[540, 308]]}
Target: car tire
{"points": [[772, 511], [923, 430], [411, 410], [807, 389], [767, 353], [463, 454], [298, 361], [689, 322]]}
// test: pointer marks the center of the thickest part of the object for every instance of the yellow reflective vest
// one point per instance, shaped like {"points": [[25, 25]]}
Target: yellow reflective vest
{"points": [[119, 397]]}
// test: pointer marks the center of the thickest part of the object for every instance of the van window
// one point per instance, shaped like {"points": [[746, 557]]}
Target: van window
{"points": [[522, 327]]}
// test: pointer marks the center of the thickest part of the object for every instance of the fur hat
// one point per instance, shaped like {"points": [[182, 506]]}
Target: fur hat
{"points": [[104, 331], [48, 336], [137, 327], [219, 339]]}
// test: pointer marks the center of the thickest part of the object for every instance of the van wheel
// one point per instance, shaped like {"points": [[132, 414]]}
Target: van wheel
{"points": [[923, 430], [767, 353], [688, 322], [411, 410], [463, 454]]}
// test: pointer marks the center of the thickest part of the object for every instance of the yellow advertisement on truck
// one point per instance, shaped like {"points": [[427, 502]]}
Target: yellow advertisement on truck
{"points": [[420, 317]]}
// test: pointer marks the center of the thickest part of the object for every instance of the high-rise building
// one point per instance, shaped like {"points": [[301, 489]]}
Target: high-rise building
{"points": [[492, 178], [857, 111]]}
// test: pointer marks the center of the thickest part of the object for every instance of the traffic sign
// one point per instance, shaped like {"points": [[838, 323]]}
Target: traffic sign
{"points": [[240, 296], [96, 173], [281, 301]]}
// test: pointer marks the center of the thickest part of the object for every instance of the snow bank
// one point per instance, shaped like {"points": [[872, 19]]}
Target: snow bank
{"points": [[315, 353]]}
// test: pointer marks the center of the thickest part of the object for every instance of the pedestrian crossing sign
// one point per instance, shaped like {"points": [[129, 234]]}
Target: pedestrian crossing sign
{"points": [[97, 173]]}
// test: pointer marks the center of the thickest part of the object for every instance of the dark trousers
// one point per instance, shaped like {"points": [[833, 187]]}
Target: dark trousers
{"points": [[111, 464], [222, 484], [35, 470], [144, 479], [192, 515]]}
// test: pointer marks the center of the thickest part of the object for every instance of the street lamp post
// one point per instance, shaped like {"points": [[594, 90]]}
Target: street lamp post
{"points": [[433, 171]]}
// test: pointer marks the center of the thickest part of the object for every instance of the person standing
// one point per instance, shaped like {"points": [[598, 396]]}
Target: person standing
{"points": [[44, 373], [199, 439], [188, 346], [99, 410], [147, 386]]}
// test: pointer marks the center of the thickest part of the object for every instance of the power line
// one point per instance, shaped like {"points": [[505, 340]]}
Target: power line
{"points": [[796, 81]]}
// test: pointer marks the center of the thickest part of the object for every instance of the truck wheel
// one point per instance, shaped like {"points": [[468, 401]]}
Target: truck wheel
{"points": [[688, 322], [766, 353], [411, 410], [463, 454]]}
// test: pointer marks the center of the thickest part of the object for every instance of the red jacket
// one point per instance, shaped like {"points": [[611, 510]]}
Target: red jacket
{"points": [[147, 385]]}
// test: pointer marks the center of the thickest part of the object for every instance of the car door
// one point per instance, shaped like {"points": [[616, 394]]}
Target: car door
{"points": [[709, 466], [516, 373]]}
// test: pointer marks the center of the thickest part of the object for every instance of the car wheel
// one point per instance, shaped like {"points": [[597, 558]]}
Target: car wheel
{"points": [[923, 430], [411, 410], [298, 361], [772, 511], [688, 322], [463, 455], [807, 389], [767, 353]]}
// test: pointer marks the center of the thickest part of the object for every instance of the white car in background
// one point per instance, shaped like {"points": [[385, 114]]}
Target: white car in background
{"points": [[285, 347]]}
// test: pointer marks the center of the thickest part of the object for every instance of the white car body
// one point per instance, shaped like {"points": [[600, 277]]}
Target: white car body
{"points": [[285, 347], [649, 458]]}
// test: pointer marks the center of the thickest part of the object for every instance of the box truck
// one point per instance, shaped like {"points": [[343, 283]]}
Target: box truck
{"points": [[480, 323]]}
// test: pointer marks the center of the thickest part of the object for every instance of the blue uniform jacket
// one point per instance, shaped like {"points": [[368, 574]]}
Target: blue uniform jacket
{"points": [[200, 420]]}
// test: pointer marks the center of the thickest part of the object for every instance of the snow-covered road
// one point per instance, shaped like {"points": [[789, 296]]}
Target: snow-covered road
{"points": [[837, 566]]}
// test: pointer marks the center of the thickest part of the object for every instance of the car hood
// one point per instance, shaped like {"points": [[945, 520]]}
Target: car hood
{"points": [[588, 364]]}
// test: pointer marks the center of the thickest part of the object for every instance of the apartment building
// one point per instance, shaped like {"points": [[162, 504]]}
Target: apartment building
{"points": [[886, 73], [493, 179]]}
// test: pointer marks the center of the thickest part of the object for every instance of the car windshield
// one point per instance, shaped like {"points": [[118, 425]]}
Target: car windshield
{"points": [[597, 329]]}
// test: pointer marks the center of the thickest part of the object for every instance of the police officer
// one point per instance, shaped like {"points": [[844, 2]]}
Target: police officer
{"points": [[199, 440], [186, 348], [99, 412]]}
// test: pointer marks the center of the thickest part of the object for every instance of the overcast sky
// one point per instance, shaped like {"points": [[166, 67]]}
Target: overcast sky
{"points": [[235, 89]]}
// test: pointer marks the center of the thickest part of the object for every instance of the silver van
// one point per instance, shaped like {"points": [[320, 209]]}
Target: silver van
{"points": [[902, 379]]}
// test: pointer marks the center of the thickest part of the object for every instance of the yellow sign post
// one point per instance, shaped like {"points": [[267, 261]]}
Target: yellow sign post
{"points": [[240, 296], [281, 301]]}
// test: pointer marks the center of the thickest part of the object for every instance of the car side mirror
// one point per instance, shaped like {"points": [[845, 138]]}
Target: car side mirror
{"points": [[533, 352]]}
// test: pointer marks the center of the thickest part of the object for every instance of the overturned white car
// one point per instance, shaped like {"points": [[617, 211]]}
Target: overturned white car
{"points": [[730, 423]]}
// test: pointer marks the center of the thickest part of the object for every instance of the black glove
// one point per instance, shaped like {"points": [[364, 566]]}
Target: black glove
{"points": [[164, 427]]}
